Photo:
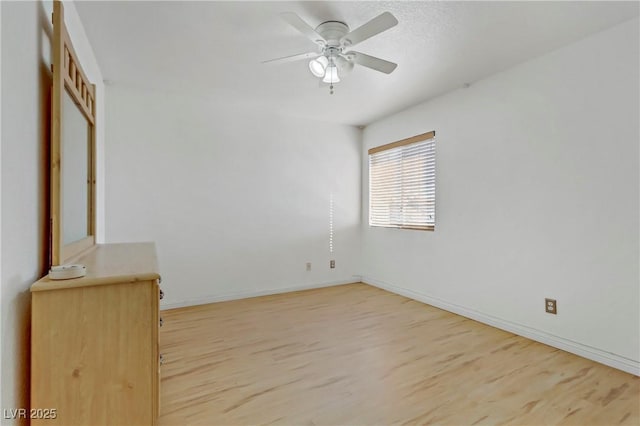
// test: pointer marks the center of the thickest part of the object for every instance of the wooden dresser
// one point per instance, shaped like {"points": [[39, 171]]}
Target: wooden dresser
{"points": [[94, 341]]}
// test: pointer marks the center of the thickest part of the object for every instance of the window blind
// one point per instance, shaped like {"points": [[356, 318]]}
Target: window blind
{"points": [[402, 185]]}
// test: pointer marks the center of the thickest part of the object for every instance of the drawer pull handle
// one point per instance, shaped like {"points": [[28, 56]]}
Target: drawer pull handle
{"points": [[161, 321]]}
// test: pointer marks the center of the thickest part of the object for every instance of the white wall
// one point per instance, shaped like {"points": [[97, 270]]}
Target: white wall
{"points": [[537, 196], [237, 200], [26, 79], [1, 382]]}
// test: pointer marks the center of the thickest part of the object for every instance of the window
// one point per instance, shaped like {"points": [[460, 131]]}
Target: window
{"points": [[402, 190]]}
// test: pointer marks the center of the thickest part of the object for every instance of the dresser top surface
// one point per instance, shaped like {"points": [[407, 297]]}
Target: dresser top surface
{"points": [[110, 264]]}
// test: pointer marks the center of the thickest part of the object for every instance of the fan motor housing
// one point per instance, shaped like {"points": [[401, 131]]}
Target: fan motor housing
{"points": [[333, 31]]}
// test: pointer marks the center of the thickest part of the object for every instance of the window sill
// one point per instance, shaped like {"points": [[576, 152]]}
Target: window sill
{"points": [[413, 228]]}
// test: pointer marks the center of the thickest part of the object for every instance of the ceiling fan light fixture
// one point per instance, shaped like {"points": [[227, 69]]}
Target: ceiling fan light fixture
{"points": [[344, 65], [334, 39], [318, 66], [331, 76]]}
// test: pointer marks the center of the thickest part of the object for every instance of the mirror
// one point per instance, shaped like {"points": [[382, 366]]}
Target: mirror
{"points": [[72, 170], [75, 177]]}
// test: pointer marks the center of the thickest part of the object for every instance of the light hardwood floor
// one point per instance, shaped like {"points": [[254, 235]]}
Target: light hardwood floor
{"points": [[356, 355]]}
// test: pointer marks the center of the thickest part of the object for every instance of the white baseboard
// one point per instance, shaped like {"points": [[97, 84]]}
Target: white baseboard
{"points": [[254, 293], [585, 351]]}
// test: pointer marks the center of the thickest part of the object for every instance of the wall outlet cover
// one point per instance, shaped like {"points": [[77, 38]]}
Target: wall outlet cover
{"points": [[550, 306]]}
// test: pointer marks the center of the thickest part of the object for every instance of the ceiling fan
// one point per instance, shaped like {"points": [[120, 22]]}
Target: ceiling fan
{"points": [[333, 38]]}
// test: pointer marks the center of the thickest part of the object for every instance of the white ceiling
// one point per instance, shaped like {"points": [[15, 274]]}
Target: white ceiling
{"points": [[215, 49]]}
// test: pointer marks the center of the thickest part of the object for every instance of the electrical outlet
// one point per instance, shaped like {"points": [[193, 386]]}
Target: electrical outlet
{"points": [[550, 306], [332, 264], [308, 266]]}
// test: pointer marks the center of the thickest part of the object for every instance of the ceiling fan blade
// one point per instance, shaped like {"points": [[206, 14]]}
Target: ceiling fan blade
{"points": [[372, 62], [293, 58], [297, 22], [375, 26]]}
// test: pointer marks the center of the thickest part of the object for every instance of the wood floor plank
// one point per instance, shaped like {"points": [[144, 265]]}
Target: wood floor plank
{"points": [[358, 355]]}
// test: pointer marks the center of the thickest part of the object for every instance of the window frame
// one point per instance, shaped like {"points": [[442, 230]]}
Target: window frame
{"points": [[401, 143]]}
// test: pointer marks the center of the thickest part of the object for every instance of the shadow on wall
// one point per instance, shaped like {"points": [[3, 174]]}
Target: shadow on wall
{"points": [[45, 38]]}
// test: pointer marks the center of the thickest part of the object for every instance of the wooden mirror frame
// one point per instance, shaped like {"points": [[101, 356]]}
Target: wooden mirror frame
{"points": [[68, 76]]}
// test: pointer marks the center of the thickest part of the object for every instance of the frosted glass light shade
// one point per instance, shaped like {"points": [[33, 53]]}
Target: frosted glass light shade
{"points": [[318, 66], [331, 76], [344, 65]]}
